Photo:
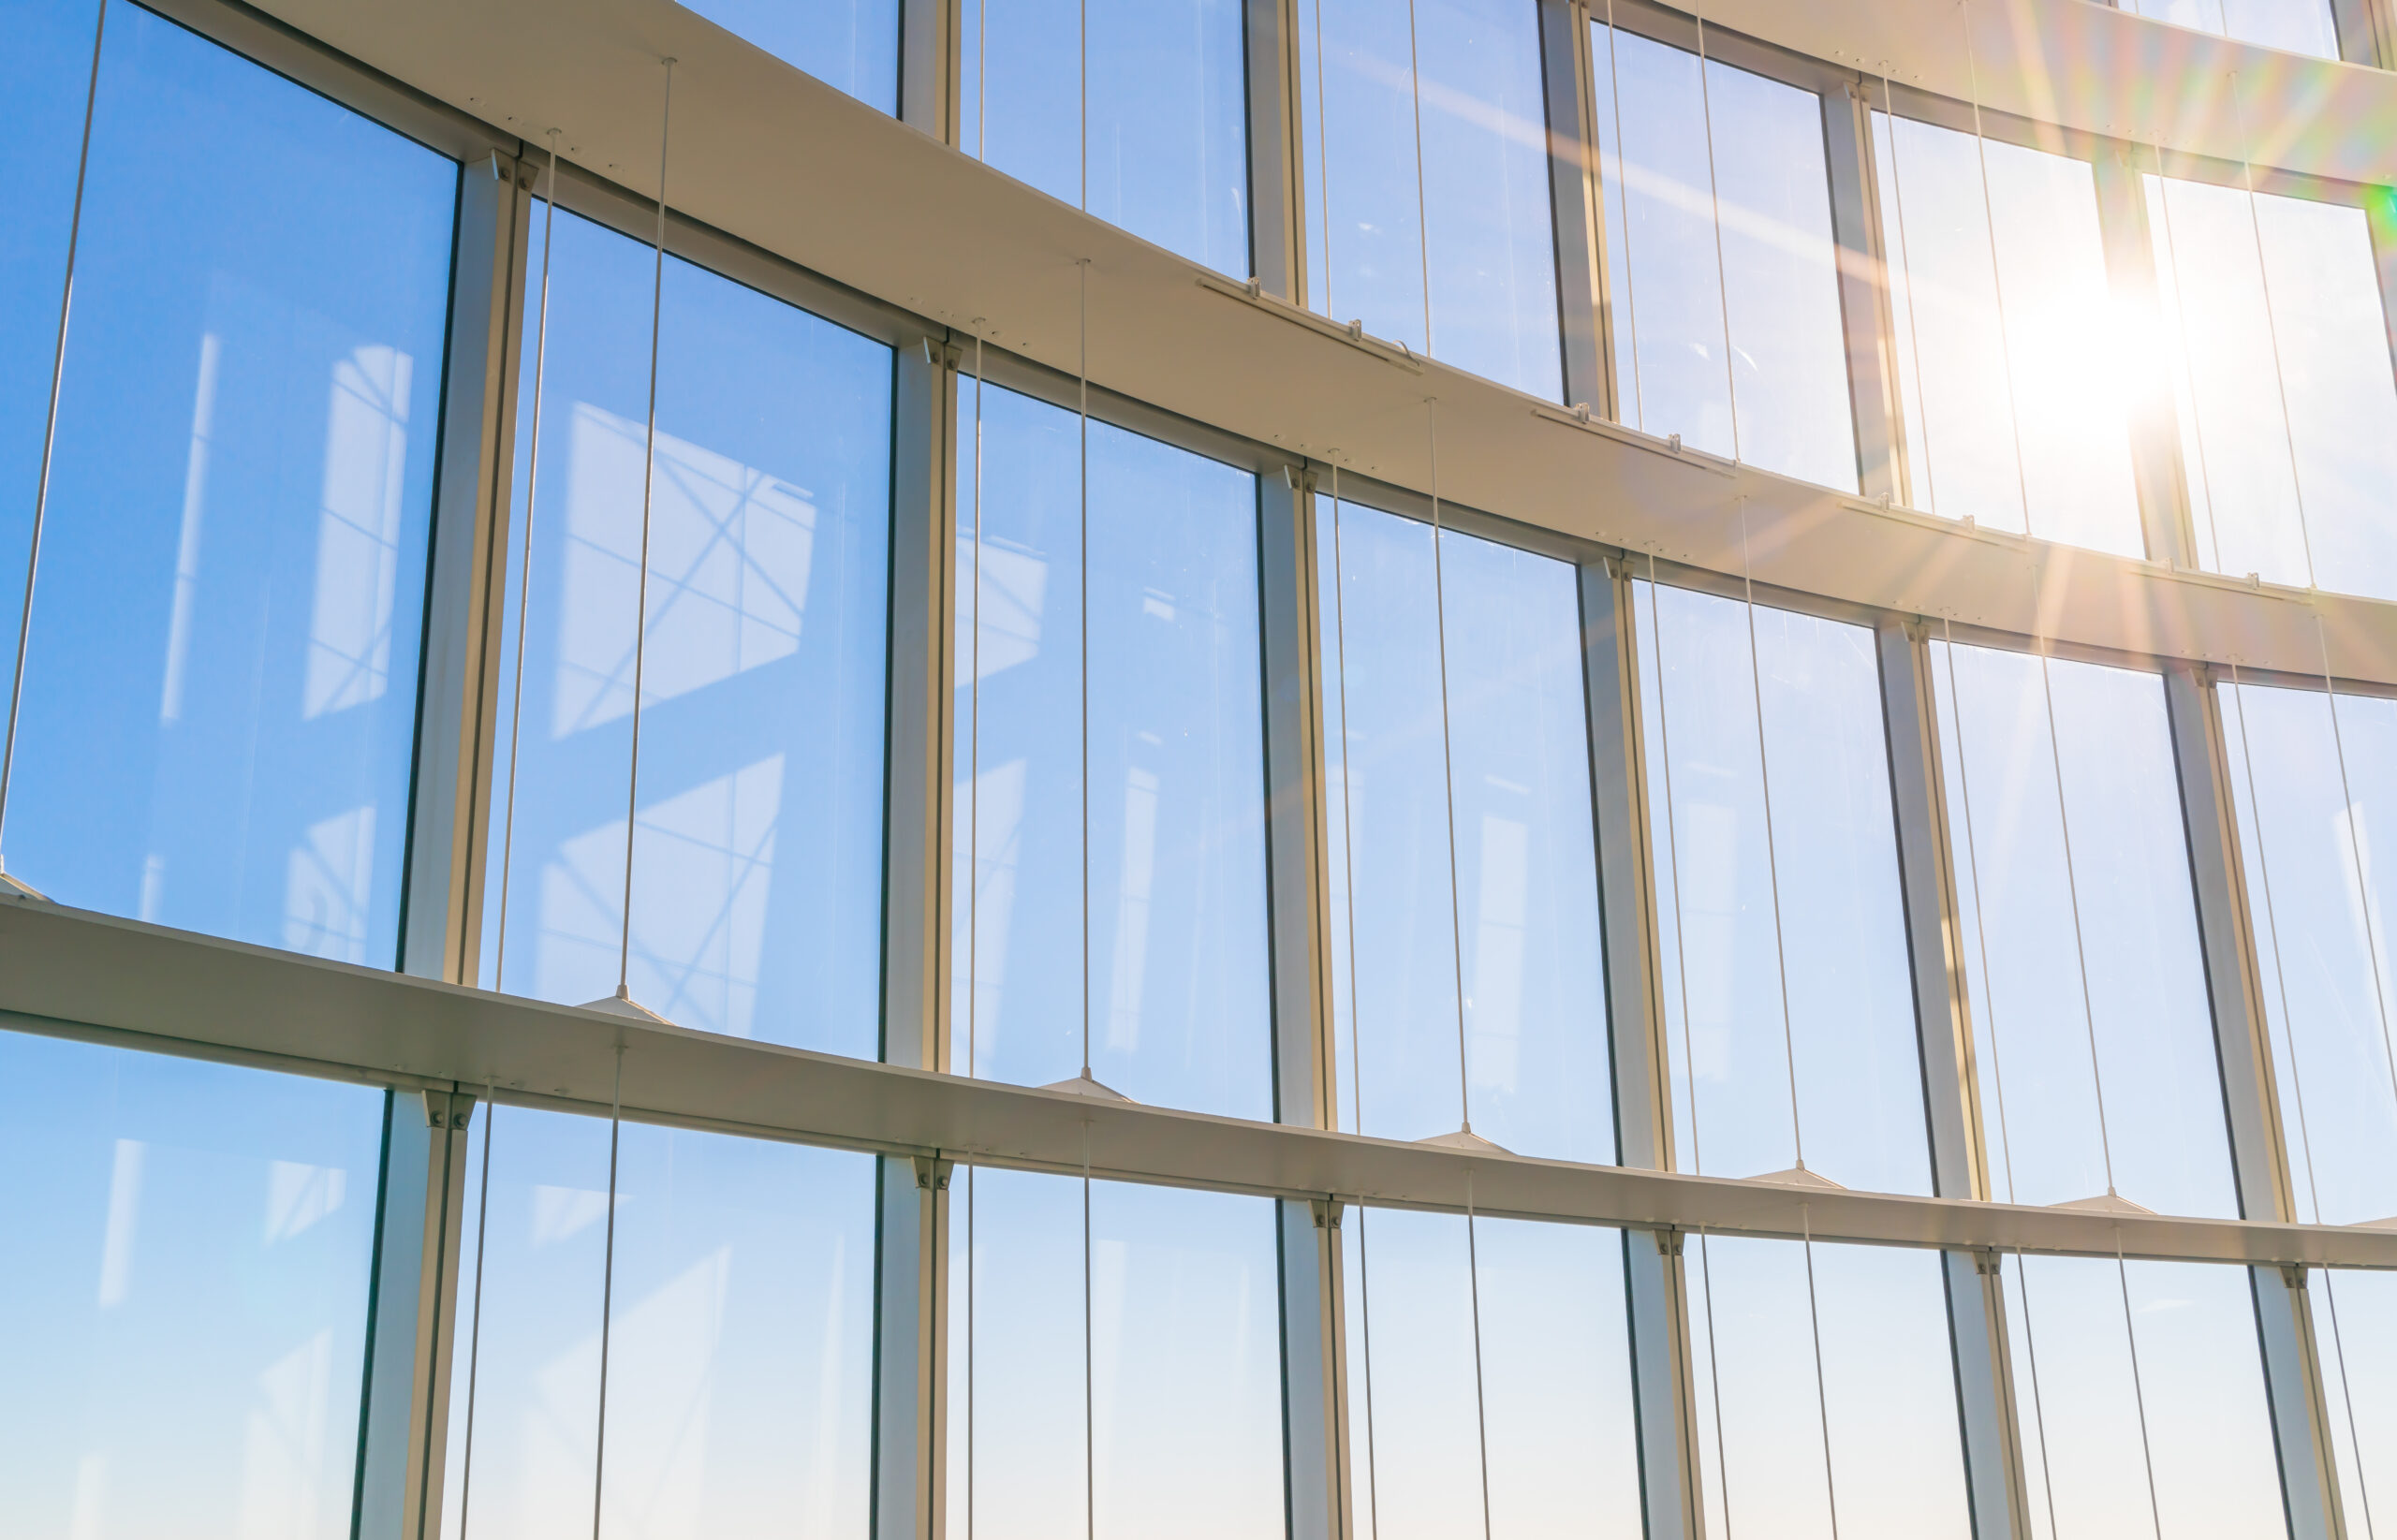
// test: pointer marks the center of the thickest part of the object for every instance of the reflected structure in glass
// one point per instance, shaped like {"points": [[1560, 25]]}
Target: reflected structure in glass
{"points": [[1150, 1404], [1163, 980], [1135, 110], [758, 853], [2092, 1024], [220, 686], [738, 1343], [851, 44], [1424, 130], [2015, 361], [1510, 1347], [1718, 215], [2278, 348], [1781, 926], [1521, 919], [187, 1292]]}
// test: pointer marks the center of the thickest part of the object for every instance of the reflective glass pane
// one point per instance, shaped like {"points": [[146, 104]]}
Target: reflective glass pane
{"points": [[1719, 214], [2091, 1020], [2014, 361], [1538, 1375], [853, 44], [2355, 1341], [1826, 1396], [220, 692], [2295, 26], [2321, 909], [1426, 135], [1514, 907], [1133, 110], [757, 859], [1780, 921], [2281, 369], [1147, 1403], [739, 1342], [2124, 1369], [185, 1294], [1122, 767]]}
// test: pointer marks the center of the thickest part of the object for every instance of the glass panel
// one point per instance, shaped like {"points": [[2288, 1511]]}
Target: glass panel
{"points": [[1434, 175], [1164, 978], [2139, 1378], [1517, 903], [1539, 1378], [757, 897], [2355, 1341], [2092, 1024], [1857, 1354], [2295, 26], [852, 44], [186, 1292], [1181, 1435], [739, 1347], [221, 686], [1815, 977], [2321, 934], [1153, 137], [2014, 361], [1708, 183], [2281, 369]]}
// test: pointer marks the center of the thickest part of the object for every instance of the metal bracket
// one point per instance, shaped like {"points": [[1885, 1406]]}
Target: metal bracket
{"points": [[1670, 1239], [449, 1109], [1987, 1262], [2293, 1274], [932, 1173], [1326, 1211]]}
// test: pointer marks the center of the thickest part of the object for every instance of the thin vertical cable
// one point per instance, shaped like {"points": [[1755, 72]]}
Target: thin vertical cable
{"points": [[1822, 1393], [2038, 1407], [982, 86], [1422, 205], [2272, 333], [2355, 850], [2139, 1390], [1996, 273], [1081, 40], [973, 758], [524, 581], [50, 424], [1630, 287], [1674, 868], [474, 1322], [1771, 856], [1722, 272], [1714, 1387], [1090, 1403], [1905, 265], [1480, 1411], [1365, 1312], [648, 482], [2181, 310], [1322, 161], [1081, 410], [608, 1289], [1447, 755]]}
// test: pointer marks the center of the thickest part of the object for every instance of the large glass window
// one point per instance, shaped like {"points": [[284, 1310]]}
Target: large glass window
{"points": [[1135, 110], [852, 44], [220, 688], [186, 1292], [1465, 959], [2280, 355], [758, 847], [2294, 27], [1826, 1400], [1426, 141], [1719, 220], [2355, 1341], [2140, 1395], [1781, 924], [2015, 362], [1489, 1374], [2091, 1021], [1110, 725], [722, 1286], [1114, 1360]]}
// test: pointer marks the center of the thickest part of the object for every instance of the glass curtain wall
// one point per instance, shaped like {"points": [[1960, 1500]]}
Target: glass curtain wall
{"points": [[756, 850], [851, 44], [1466, 957], [220, 677], [1424, 132], [1721, 266], [2015, 357], [2278, 346], [1133, 111], [2293, 26]]}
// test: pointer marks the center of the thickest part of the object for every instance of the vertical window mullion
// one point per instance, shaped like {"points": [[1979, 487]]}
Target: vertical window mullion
{"points": [[1865, 297], [1578, 205]]}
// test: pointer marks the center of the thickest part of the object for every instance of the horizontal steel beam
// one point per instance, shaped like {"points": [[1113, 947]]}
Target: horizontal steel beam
{"points": [[69, 972]]}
